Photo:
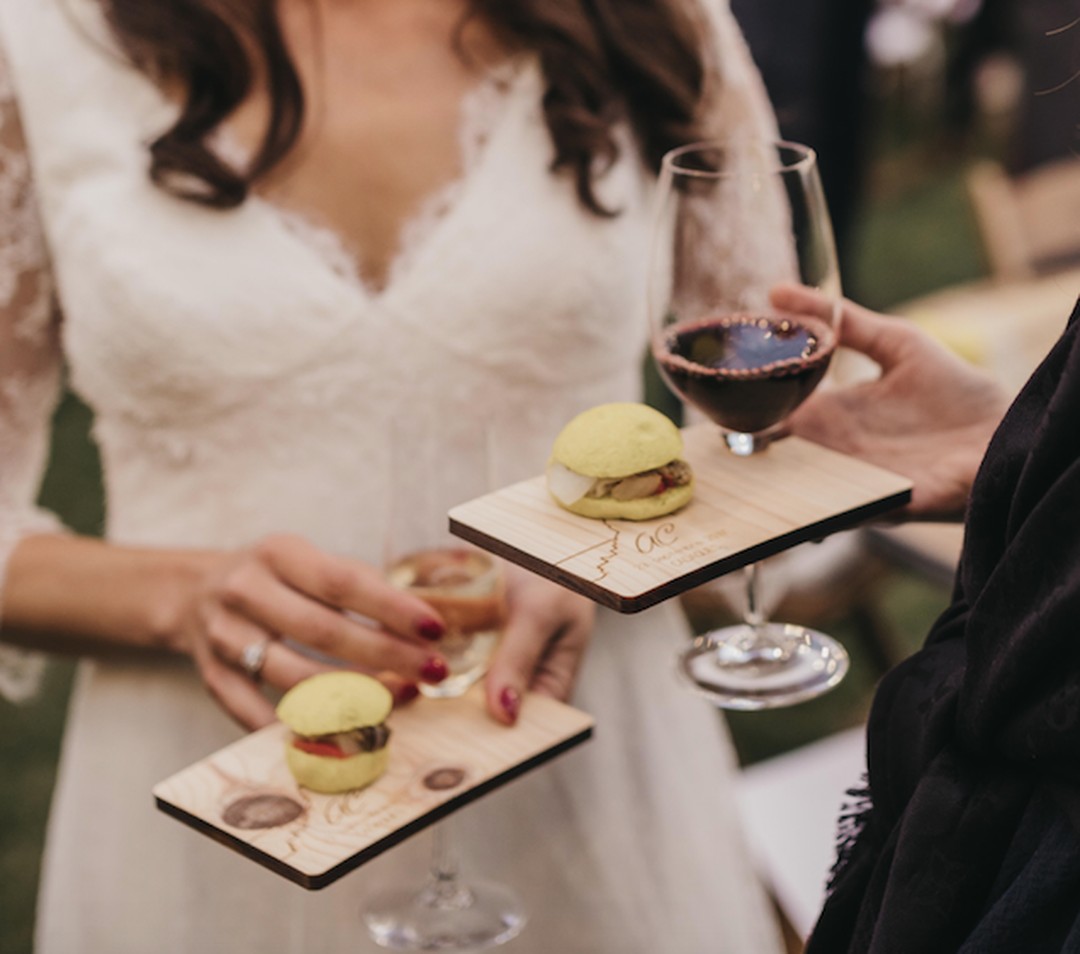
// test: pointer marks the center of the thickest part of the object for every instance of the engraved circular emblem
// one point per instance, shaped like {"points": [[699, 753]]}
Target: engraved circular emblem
{"points": [[443, 778], [261, 811]]}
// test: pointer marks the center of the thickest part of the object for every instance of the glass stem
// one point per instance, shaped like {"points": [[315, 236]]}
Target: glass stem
{"points": [[752, 615], [741, 445], [444, 891], [758, 644], [444, 864]]}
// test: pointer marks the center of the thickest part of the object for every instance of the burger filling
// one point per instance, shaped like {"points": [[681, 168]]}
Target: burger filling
{"points": [[569, 486], [340, 745]]}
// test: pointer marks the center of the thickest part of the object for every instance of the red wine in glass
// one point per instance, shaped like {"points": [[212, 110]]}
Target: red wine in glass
{"points": [[747, 372], [734, 219]]}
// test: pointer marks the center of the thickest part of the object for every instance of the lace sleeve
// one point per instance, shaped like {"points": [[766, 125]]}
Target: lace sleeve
{"points": [[29, 369]]}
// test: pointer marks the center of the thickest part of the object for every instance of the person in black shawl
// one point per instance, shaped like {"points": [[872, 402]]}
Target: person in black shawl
{"points": [[968, 835]]}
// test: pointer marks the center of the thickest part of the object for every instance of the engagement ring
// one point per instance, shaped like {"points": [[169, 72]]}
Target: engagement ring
{"points": [[253, 658]]}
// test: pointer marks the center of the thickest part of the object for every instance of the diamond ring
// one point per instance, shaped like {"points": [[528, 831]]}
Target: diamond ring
{"points": [[253, 658]]}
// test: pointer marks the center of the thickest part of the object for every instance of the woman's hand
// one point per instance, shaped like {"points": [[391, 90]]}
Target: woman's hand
{"points": [[542, 646], [286, 587], [929, 416]]}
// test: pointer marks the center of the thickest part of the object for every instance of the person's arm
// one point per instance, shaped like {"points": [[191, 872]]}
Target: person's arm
{"points": [[65, 593], [60, 592], [928, 416]]}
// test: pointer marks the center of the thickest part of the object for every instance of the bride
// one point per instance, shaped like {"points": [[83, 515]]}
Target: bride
{"points": [[255, 235]]}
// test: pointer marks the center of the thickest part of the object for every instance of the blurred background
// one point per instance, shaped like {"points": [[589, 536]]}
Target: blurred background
{"points": [[919, 109]]}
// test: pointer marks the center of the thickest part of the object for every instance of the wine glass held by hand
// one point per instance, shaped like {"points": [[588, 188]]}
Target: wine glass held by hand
{"points": [[466, 588], [724, 348], [718, 341]]}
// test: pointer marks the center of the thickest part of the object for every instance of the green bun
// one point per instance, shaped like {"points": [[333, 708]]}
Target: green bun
{"points": [[334, 702], [645, 508], [330, 775], [617, 440]]}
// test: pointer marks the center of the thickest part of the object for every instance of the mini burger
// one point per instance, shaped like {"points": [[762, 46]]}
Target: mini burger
{"points": [[620, 461], [339, 735]]}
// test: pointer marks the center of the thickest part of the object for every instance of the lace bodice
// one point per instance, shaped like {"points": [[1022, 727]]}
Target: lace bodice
{"points": [[243, 379]]}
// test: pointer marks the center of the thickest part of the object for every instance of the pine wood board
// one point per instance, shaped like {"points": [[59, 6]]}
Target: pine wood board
{"points": [[744, 509], [444, 754]]}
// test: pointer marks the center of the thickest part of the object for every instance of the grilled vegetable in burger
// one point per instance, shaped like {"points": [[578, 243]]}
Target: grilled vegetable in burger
{"points": [[620, 461], [339, 736]]}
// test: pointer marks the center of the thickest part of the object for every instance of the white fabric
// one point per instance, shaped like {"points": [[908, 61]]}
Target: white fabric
{"points": [[242, 384], [793, 840]]}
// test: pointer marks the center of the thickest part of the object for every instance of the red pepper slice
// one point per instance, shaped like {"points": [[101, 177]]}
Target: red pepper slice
{"points": [[313, 747]]}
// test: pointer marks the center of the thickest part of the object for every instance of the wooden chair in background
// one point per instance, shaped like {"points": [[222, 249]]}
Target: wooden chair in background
{"points": [[1029, 224]]}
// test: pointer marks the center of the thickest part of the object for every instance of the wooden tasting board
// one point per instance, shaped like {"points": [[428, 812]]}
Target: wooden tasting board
{"points": [[444, 753], [743, 509]]}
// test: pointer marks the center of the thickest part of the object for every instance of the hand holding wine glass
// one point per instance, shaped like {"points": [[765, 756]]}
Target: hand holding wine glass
{"points": [[929, 414], [735, 220]]}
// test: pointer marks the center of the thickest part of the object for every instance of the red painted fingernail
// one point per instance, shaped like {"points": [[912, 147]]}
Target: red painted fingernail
{"points": [[434, 670], [406, 693], [431, 629], [510, 700]]}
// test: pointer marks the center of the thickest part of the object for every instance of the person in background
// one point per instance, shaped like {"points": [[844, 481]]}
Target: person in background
{"points": [[1041, 39], [812, 57], [966, 837], [259, 236]]}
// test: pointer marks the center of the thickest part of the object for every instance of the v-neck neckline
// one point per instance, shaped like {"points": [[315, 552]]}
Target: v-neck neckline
{"points": [[421, 231]]}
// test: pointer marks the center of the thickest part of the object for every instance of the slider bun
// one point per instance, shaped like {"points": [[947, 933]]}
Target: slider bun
{"points": [[645, 508], [613, 441], [617, 440], [334, 702], [324, 773]]}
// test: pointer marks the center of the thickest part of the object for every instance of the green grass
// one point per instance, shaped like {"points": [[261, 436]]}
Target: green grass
{"points": [[72, 483], [29, 745], [914, 240]]}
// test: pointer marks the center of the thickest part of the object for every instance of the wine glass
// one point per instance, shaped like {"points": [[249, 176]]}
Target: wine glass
{"points": [[735, 218], [466, 586]]}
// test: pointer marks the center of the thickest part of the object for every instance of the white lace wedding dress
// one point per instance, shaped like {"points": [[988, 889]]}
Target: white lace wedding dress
{"points": [[242, 379]]}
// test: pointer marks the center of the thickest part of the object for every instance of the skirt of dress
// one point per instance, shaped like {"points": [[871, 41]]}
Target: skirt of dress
{"points": [[629, 844]]}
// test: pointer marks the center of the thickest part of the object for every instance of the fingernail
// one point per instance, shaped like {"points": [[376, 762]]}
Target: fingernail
{"points": [[434, 670], [431, 629], [406, 693], [510, 700]]}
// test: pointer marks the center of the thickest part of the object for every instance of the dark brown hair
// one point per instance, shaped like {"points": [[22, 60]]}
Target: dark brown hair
{"points": [[603, 61]]}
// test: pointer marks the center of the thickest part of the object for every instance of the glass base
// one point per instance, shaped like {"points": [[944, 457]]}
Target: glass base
{"points": [[742, 445], [445, 915], [774, 665]]}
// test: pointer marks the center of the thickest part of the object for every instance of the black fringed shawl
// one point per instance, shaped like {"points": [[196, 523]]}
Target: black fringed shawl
{"points": [[971, 843]]}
